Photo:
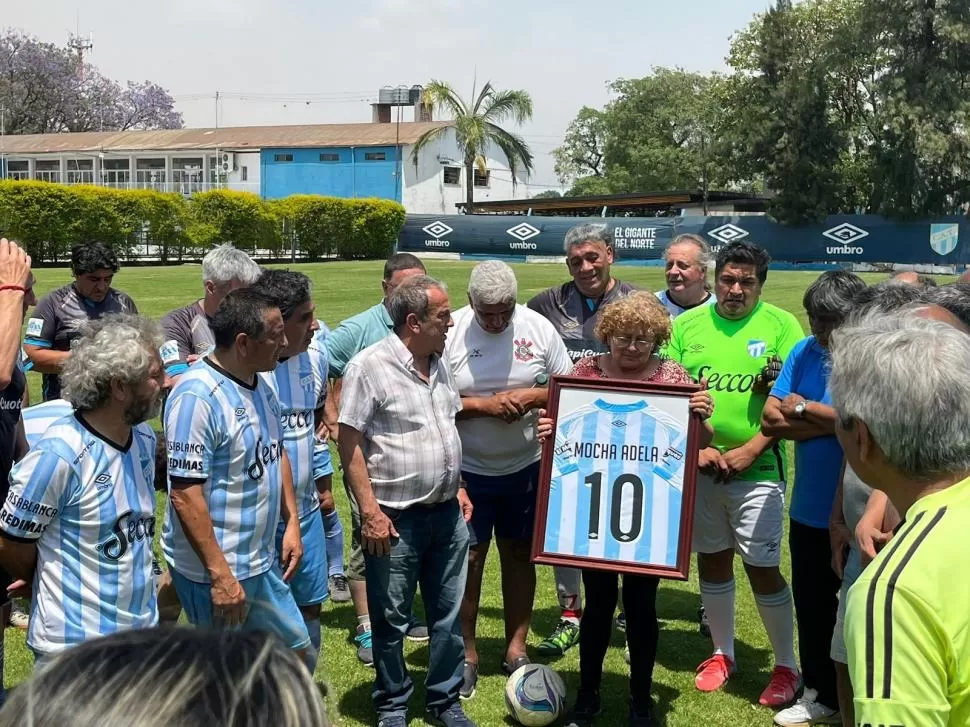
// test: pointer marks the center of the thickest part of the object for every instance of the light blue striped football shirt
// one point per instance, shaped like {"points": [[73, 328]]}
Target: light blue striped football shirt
{"points": [[225, 434], [89, 505], [617, 483], [39, 417], [300, 384]]}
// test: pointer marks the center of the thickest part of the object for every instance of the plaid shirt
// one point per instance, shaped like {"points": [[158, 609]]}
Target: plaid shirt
{"points": [[410, 441]]}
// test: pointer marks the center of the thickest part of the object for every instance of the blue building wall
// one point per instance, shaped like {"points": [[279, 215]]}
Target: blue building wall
{"points": [[354, 173]]}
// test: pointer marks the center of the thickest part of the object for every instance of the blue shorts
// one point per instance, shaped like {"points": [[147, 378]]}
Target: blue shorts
{"points": [[505, 504], [309, 583], [270, 605], [322, 462]]}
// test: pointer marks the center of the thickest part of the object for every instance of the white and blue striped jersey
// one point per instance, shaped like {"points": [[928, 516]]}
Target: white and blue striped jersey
{"points": [[617, 483], [300, 384], [39, 417], [89, 505], [225, 434]]}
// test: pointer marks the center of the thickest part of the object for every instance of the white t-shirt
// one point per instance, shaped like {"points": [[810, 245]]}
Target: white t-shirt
{"points": [[675, 310], [486, 363]]}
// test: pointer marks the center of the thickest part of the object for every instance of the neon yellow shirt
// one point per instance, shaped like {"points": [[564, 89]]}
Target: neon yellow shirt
{"points": [[729, 354], [907, 623]]}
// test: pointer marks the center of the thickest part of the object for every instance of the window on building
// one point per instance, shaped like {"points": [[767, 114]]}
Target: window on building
{"points": [[452, 175], [375, 156], [18, 170], [481, 178], [115, 172], [244, 174], [330, 157], [150, 173], [80, 171], [282, 157], [47, 170]]}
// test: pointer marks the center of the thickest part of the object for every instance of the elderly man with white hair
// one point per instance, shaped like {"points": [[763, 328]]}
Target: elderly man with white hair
{"points": [[187, 332], [685, 268], [79, 520], [502, 355], [899, 387]]}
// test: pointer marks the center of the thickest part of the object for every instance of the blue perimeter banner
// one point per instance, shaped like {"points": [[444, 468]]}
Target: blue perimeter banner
{"points": [[843, 238]]}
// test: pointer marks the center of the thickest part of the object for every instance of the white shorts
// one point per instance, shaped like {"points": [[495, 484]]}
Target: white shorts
{"points": [[748, 517], [850, 574]]}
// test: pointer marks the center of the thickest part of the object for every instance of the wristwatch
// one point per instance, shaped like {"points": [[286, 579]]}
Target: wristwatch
{"points": [[800, 408]]}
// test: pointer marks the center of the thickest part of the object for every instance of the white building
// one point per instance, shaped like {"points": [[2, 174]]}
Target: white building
{"points": [[341, 160]]}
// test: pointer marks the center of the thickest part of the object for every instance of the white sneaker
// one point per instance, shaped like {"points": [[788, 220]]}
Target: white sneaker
{"points": [[806, 711]]}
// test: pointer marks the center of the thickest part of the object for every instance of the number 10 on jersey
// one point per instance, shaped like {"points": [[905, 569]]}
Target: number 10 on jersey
{"points": [[626, 489], [616, 483]]}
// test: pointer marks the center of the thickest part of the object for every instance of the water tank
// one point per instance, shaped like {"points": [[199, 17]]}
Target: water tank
{"points": [[387, 95]]}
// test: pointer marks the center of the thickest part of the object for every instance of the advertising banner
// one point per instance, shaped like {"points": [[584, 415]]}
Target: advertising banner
{"points": [[842, 238]]}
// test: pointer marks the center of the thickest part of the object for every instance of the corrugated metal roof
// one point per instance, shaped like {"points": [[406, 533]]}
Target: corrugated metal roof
{"points": [[229, 139]]}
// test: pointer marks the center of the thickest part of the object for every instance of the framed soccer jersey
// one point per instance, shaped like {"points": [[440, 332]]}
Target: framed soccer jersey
{"points": [[616, 485]]}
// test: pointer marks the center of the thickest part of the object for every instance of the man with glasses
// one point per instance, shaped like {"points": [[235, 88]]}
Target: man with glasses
{"points": [[502, 354]]}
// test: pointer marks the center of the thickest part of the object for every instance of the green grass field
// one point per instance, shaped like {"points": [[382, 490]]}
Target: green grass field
{"points": [[342, 289]]}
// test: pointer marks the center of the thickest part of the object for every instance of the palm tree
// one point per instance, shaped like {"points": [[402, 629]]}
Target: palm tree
{"points": [[477, 127]]}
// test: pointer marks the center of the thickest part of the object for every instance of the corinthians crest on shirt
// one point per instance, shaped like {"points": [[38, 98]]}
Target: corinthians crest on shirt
{"points": [[523, 350]]}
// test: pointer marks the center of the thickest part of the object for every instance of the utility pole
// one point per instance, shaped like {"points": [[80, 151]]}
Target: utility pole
{"points": [[217, 109], [80, 46]]}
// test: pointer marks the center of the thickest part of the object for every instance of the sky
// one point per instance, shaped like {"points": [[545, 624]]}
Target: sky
{"points": [[269, 58]]}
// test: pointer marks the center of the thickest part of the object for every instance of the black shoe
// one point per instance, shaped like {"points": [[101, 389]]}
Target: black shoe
{"points": [[454, 716], [585, 711], [641, 715]]}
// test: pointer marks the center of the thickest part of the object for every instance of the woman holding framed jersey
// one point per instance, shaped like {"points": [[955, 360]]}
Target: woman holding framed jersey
{"points": [[634, 328]]}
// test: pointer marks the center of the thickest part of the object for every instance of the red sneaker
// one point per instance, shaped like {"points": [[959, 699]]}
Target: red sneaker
{"points": [[713, 673], [782, 687]]}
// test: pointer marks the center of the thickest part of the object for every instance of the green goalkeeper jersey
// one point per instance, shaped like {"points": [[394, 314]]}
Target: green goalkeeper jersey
{"points": [[730, 354], [907, 625]]}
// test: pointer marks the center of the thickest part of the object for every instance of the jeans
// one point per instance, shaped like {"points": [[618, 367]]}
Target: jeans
{"points": [[431, 549], [815, 590], [596, 629]]}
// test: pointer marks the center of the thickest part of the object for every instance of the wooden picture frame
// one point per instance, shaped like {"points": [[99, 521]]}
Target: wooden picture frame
{"points": [[612, 495]]}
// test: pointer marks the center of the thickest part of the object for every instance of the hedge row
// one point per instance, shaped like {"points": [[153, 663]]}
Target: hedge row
{"points": [[48, 219]]}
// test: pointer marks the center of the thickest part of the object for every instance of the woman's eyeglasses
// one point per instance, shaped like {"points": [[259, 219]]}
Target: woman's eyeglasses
{"points": [[642, 344]]}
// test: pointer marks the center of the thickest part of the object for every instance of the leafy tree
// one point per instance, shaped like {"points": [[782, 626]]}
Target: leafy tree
{"points": [[476, 126], [922, 144], [590, 187], [661, 132], [548, 194], [582, 153], [45, 89]]}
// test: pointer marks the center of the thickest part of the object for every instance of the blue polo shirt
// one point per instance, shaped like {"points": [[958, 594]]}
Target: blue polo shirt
{"points": [[355, 334], [818, 461]]}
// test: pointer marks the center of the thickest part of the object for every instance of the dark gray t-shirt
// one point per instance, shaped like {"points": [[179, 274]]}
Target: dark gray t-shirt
{"points": [[56, 322], [574, 315], [187, 332]]}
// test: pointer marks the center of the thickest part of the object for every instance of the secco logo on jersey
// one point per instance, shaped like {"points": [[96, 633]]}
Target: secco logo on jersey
{"points": [[265, 454], [734, 383], [297, 419], [125, 531]]}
